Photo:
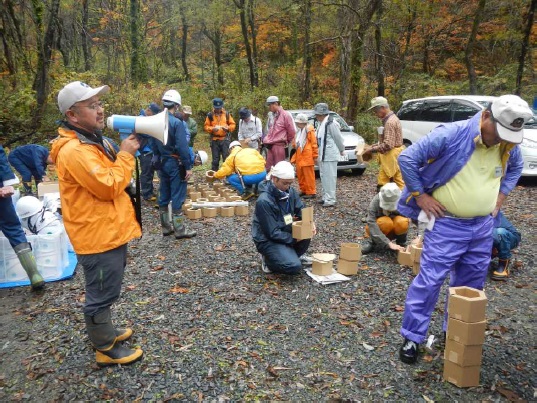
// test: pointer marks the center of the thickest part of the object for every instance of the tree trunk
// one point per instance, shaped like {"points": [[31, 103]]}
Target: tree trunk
{"points": [[184, 41], [357, 53], [525, 46], [469, 51], [379, 55], [84, 35], [138, 73], [306, 17], [253, 33], [45, 47], [215, 36], [240, 4]]}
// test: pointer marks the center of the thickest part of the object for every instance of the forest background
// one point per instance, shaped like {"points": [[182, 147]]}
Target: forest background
{"points": [[343, 52]]}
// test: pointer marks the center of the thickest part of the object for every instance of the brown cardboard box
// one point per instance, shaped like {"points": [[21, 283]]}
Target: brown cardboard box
{"points": [[415, 252], [302, 230], [193, 214], [47, 187], [307, 214], [227, 211], [241, 210], [465, 356], [351, 252], [467, 304], [213, 198], [234, 197], [186, 206], [202, 200], [207, 192], [463, 377], [195, 196], [404, 258], [347, 267], [416, 268], [322, 264], [469, 334], [209, 212], [209, 176]]}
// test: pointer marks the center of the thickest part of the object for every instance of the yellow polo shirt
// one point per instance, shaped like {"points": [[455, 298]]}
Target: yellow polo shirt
{"points": [[474, 190]]}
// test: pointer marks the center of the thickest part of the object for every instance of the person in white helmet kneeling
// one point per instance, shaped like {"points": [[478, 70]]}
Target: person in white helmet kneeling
{"points": [[276, 208]]}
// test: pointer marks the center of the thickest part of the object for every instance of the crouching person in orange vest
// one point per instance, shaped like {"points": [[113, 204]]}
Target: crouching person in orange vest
{"points": [[386, 228]]}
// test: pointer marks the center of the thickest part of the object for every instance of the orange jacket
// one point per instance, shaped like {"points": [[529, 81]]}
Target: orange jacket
{"points": [[97, 212], [305, 157], [222, 121]]}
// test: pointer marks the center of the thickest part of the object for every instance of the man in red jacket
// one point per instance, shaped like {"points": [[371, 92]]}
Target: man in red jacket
{"points": [[280, 134]]}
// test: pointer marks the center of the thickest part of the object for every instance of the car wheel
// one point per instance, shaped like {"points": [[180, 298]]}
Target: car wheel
{"points": [[358, 171]]}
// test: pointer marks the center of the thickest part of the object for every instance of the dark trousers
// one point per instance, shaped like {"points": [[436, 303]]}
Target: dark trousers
{"points": [[25, 171], [172, 184], [9, 222], [283, 258], [104, 277], [219, 148], [147, 174]]}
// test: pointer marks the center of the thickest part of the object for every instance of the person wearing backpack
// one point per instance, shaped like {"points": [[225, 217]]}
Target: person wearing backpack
{"points": [[250, 128], [219, 124], [331, 146]]}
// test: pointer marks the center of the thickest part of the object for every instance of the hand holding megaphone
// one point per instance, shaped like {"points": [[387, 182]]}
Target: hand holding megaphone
{"points": [[130, 144]]}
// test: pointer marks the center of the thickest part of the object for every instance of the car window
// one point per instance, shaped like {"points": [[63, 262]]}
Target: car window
{"points": [[462, 111], [410, 110], [435, 111], [343, 126], [532, 123]]}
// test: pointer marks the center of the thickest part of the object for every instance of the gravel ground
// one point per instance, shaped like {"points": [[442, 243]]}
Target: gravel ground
{"points": [[214, 327]]}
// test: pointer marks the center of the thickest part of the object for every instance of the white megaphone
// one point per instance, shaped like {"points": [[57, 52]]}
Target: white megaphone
{"points": [[155, 126]]}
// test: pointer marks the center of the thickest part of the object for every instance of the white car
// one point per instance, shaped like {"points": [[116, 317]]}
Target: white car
{"points": [[350, 140], [419, 116]]}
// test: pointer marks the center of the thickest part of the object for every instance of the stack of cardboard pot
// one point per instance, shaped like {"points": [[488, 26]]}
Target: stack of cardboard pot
{"points": [[349, 256], [465, 336], [215, 192], [411, 256]]}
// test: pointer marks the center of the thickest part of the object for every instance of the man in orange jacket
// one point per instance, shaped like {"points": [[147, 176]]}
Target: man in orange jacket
{"points": [[97, 212], [305, 156], [219, 124]]}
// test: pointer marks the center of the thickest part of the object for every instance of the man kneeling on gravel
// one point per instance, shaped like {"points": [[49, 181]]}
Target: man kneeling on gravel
{"points": [[277, 207]]}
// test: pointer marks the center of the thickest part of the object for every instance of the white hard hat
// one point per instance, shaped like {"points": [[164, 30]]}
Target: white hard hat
{"points": [[27, 206], [203, 156], [234, 143], [172, 96]]}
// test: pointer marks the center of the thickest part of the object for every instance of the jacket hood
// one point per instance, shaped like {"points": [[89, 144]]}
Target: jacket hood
{"points": [[65, 135]]}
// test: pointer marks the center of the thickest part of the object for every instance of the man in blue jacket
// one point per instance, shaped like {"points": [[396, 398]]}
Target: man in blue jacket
{"points": [[276, 208], [11, 226], [505, 238], [172, 160], [458, 175], [30, 160]]}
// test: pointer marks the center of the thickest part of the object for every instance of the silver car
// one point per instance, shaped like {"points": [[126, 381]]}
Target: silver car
{"points": [[350, 140]]}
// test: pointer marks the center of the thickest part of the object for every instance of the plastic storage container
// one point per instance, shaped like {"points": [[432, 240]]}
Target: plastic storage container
{"points": [[50, 251]]}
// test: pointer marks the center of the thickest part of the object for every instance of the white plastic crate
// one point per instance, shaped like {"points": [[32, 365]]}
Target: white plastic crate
{"points": [[51, 255]]}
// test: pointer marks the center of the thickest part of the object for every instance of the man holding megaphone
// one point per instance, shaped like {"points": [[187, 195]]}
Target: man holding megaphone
{"points": [[172, 159], [97, 212]]}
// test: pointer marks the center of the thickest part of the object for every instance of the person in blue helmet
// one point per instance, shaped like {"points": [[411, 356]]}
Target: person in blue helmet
{"points": [[174, 165]]}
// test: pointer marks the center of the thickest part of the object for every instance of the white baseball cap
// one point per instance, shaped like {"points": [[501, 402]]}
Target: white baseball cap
{"points": [[301, 118], [78, 91], [510, 112], [272, 98]]}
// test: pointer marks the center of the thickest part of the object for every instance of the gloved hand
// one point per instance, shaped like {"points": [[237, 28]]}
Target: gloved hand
{"points": [[155, 162]]}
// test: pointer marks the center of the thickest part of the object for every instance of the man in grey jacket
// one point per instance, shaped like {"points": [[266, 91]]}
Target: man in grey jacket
{"points": [[331, 146]]}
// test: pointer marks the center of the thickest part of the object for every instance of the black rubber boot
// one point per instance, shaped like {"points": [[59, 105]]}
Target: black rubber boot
{"points": [[502, 272], [401, 240], [179, 227], [103, 336], [165, 221], [27, 259], [27, 188], [367, 246]]}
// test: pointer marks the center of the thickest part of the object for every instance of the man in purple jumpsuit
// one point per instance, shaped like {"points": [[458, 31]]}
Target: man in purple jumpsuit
{"points": [[459, 175]]}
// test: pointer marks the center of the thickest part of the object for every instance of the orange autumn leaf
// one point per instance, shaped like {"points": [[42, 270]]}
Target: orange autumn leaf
{"points": [[179, 290]]}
